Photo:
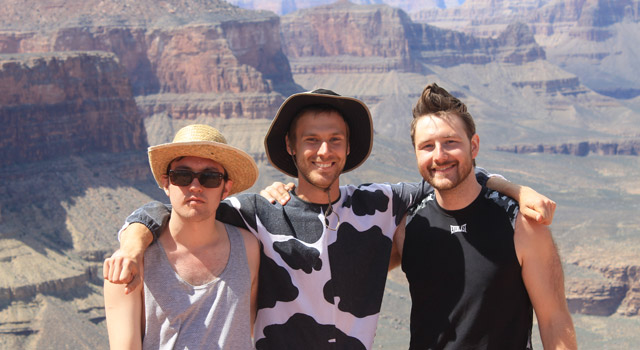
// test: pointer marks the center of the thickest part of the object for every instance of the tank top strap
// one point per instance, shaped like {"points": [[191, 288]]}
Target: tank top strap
{"points": [[237, 251]]}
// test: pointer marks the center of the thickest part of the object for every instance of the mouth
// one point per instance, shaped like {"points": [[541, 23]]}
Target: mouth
{"points": [[194, 200], [323, 165], [443, 168]]}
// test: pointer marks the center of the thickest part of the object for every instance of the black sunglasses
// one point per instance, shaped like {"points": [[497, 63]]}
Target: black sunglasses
{"points": [[208, 179]]}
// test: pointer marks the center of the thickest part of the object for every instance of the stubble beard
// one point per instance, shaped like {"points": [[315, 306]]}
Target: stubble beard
{"points": [[446, 184]]}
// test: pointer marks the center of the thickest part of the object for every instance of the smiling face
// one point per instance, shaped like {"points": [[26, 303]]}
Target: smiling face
{"points": [[320, 145], [195, 202], [444, 152]]}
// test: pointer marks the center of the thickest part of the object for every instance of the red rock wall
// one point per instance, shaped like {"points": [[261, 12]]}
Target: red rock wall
{"points": [[62, 104], [345, 29], [234, 56]]}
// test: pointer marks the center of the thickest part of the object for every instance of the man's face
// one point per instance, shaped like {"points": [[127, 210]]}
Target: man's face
{"points": [[195, 202], [444, 152], [321, 146]]}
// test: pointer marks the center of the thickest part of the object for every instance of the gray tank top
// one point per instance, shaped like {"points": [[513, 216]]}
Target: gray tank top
{"points": [[215, 315]]}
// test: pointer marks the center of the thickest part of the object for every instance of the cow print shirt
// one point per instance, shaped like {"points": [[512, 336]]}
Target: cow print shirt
{"points": [[321, 288]]}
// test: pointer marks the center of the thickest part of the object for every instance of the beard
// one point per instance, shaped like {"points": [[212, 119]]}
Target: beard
{"points": [[447, 182]]}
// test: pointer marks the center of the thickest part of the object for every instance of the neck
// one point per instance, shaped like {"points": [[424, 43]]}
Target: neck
{"points": [[193, 234], [310, 193], [460, 196]]}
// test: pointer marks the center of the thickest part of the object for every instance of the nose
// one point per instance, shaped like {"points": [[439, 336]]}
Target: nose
{"points": [[439, 153], [195, 185], [324, 148]]}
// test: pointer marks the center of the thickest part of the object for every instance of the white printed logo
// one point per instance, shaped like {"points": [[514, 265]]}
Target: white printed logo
{"points": [[455, 229]]}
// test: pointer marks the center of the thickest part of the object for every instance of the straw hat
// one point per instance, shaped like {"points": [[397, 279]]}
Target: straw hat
{"points": [[205, 141], [354, 111]]}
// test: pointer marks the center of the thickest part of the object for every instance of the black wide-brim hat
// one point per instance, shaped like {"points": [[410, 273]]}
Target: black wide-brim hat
{"points": [[354, 111]]}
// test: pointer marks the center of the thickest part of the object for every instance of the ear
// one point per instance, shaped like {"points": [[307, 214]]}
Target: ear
{"points": [[288, 143], [348, 147], [475, 146], [227, 188], [165, 184]]}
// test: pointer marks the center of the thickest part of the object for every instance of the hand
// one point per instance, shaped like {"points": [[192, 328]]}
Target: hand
{"points": [[536, 207], [278, 191], [122, 269]]}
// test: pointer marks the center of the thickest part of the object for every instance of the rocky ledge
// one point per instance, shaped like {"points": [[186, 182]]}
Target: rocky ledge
{"points": [[60, 104], [627, 148]]}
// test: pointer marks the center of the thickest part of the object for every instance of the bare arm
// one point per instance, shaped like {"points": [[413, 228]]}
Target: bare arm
{"points": [[532, 204], [398, 245], [125, 265], [544, 280], [124, 317], [252, 246]]}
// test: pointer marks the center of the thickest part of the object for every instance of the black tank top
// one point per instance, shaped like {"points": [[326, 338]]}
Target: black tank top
{"points": [[464, 276]]}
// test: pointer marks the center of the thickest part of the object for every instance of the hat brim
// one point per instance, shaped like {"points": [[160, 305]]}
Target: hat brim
{"points": [[239, 165], [354, 111]]}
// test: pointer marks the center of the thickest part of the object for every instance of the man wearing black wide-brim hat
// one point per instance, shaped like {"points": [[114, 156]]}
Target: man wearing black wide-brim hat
{"points": [[325, 253]]}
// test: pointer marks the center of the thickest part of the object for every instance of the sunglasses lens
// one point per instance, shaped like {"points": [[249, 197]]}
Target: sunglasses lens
{"points": [[210, 180], [185, 177], [181, 177]]}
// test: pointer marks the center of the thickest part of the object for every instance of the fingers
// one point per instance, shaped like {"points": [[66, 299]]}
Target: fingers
{"points": [[119, 269], [131, 286], [277, 191], [267, 196], [546, 209], [531, 214]]}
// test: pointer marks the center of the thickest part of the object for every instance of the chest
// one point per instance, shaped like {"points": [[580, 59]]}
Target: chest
{"points": [[201, 266]]}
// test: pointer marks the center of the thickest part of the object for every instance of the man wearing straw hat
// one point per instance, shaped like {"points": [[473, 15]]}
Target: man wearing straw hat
{"points": [[200, 286], [326, 253]]}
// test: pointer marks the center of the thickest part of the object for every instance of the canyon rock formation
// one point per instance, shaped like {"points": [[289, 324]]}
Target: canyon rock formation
{"points": [[64, 104], [593, 39], [197, 46]]}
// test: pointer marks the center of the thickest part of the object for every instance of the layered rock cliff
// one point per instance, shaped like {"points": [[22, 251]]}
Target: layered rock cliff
{"points": [[348, 38], [63, 104], [195, 46], [626, 148], [344, 37], [595, 40]]}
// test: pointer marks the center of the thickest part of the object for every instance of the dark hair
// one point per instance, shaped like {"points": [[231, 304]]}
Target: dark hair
{"points": [[440, 103], [316, 109]]}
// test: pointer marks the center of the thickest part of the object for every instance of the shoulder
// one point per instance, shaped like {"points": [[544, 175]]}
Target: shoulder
{"points": [[501, 203], [532, 238], [250, 240]]}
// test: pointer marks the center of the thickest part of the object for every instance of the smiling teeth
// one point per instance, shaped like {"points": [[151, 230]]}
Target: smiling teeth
{"points": [[323, 165]]}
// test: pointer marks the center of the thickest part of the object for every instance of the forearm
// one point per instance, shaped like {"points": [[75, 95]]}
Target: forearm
{"points": [[135, 239], [558, 333], [124, 317], [505, 187]]}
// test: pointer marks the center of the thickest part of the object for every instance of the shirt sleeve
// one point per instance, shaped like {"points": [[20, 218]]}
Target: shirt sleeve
{"points": [[153, 215]]}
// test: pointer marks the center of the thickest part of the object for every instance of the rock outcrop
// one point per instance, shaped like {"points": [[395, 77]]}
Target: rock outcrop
{"points": [[488, 17], [283, 7], [626, 148], [344, 37], [194, 46], [432, 45], [592, 39], [62, 104], [618, 292], [348, 38]]}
